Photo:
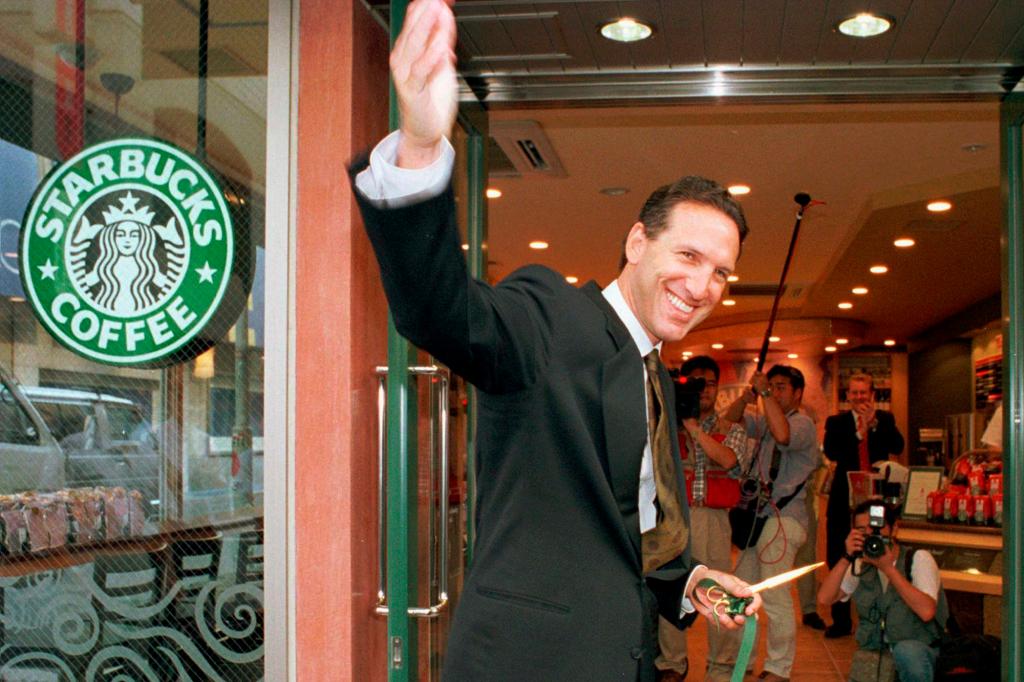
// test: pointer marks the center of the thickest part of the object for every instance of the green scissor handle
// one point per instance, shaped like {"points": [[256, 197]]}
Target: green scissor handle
{"points": [[734, 606]]}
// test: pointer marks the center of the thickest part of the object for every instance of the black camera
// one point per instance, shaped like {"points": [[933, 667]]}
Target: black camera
{"points": [[876, 543], [688, 390]]}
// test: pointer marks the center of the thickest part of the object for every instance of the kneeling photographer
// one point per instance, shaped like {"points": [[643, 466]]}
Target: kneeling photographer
{"points": [[897, 592]]}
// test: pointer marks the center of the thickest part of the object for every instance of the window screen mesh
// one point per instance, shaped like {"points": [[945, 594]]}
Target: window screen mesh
{"points": [[131, 497]]}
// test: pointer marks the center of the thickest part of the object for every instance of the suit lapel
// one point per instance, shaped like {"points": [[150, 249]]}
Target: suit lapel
{"points": [[624, 411]]}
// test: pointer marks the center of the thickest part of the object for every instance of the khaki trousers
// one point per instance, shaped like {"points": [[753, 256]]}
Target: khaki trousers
{"points": [[773, 554], [709, 545]]}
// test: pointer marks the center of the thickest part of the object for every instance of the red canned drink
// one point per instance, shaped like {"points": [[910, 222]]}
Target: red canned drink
{"points": [[983, 510], [997, 509], [967, 503], [949, 506], [937, 504], [930, 508], [976, 481], [962, 514], [995, 484]]}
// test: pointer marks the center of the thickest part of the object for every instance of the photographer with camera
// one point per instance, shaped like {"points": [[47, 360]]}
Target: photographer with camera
{"points": [[786, 454], [898, 597], [713, 452]]}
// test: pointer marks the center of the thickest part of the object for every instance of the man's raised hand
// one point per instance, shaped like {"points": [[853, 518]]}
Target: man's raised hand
{"points": [[423, 69]]}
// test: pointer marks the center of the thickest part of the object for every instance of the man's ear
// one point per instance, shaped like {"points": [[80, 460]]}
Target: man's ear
{"points": [[636, 242]]}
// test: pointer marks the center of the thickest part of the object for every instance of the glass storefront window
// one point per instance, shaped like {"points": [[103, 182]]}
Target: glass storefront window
{"points": [[131, 492]]}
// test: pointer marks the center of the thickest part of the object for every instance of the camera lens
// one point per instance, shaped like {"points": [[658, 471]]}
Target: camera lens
{"points": [[874, 546]]}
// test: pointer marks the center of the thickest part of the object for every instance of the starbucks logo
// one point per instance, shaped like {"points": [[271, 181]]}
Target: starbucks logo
{"points": [[128, 255]]}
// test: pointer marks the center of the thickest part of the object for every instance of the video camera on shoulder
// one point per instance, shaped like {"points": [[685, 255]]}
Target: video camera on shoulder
{"points": [[688, 390]]}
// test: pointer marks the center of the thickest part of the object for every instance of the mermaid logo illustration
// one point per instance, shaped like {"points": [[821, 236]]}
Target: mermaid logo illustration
{"points": [[115, 264]]}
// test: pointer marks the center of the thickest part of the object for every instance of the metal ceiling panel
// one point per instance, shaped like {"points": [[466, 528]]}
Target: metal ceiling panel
{"points": [[723, 31], [957, 33], [683, 28], [997, 33], [918, 30], [652, 53], [762, 26], [801, 32]]}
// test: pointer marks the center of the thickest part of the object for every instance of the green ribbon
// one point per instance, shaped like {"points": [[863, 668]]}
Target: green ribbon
{"points": [[746, 648]]}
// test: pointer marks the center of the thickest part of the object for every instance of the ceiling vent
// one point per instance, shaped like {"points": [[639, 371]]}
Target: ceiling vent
{"points": [[527, 148]]}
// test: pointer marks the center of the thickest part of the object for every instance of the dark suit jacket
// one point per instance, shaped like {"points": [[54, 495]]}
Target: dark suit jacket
{"points": [[842, 447], [555, 591]]}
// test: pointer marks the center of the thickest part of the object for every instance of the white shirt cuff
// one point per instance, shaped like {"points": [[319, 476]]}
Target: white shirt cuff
{"points": [[385, 185], [687, 606]]}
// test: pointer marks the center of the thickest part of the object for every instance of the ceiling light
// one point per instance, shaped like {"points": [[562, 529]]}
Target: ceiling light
{"points": [[860, 291], [830, 349], [687, 353], [792, 356], [842, 342], [775, 339], [879, 269], [728, 301], [465, 247], [718, 346], [613, 191], [890, 342], [864, 25], [845, 305], [939, 206], [733, 278], [626, 30], [739, 190], [538, 245], [572, 279], [493, 193], [904, 242], [973, 148]]}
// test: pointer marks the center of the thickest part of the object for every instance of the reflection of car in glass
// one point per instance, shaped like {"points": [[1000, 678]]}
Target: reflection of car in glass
{"points": [[105, 438], [30, 458]]}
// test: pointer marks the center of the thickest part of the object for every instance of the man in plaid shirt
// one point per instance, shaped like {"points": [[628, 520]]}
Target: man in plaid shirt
{"points": [[707, 444]]}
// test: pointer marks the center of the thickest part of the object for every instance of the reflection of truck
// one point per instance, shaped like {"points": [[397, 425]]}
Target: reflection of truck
{"points": [[52, 438]]}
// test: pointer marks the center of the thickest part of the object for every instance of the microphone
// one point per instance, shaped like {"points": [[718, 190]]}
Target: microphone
{"points": [[802, 198]]}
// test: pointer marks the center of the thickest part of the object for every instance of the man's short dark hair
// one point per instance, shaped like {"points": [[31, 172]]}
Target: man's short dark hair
{"points": [[693, 189], [891, 513], [795, 376], [705, 362]]}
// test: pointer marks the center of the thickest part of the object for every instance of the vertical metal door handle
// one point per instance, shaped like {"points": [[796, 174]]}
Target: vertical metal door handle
{"points": [[438, 607]]}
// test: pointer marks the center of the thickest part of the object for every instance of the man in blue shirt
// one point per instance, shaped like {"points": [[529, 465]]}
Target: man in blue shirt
{"points": [[781, 425]]}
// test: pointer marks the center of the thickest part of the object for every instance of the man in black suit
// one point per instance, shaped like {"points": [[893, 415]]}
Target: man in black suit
{"points": [[854, 439], [574, 433]]}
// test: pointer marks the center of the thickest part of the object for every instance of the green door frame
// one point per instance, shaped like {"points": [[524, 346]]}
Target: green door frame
{"points": [[401, 414], [1012, 186]]}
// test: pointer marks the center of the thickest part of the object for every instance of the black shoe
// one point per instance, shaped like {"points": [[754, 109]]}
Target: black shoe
{"points": [[814, 621], [836, 631]]}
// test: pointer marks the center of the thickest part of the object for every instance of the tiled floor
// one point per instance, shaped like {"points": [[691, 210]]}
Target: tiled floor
{"points": [[817, 658]]}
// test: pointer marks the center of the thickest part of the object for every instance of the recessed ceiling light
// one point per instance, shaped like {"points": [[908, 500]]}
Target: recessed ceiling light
{"points": [[890, 342], [939, 206], [973, 147], [864, 25], [879, 269], [626, 30], [775, 339], [739, 190], [493, 193], [904, 242], [860, 291], [728, 301], [718, 346], [830, 349], [572, 279], [842, 342], [687, 353], [613, 191], [465, 247], [845, 305], [733, 278], [792, 356], [538, 245]]}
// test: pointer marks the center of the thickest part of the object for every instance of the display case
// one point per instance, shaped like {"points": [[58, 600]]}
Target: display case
{"points": [[970, 560]]}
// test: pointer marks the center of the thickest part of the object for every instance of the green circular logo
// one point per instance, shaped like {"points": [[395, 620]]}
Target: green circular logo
{"points": [[127, 253]]}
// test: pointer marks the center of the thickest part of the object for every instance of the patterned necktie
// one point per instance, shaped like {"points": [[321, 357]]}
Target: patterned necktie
{"points": [[667, 539]]}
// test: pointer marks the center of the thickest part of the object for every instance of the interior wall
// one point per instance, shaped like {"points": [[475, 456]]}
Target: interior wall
{"points": [[940, 380], [341, 336]]}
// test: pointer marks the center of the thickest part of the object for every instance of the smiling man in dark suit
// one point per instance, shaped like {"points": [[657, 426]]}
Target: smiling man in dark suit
{"points": [[582, 530]]}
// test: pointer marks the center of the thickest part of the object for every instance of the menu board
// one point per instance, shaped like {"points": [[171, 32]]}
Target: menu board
{"points": [[988, 381]]}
